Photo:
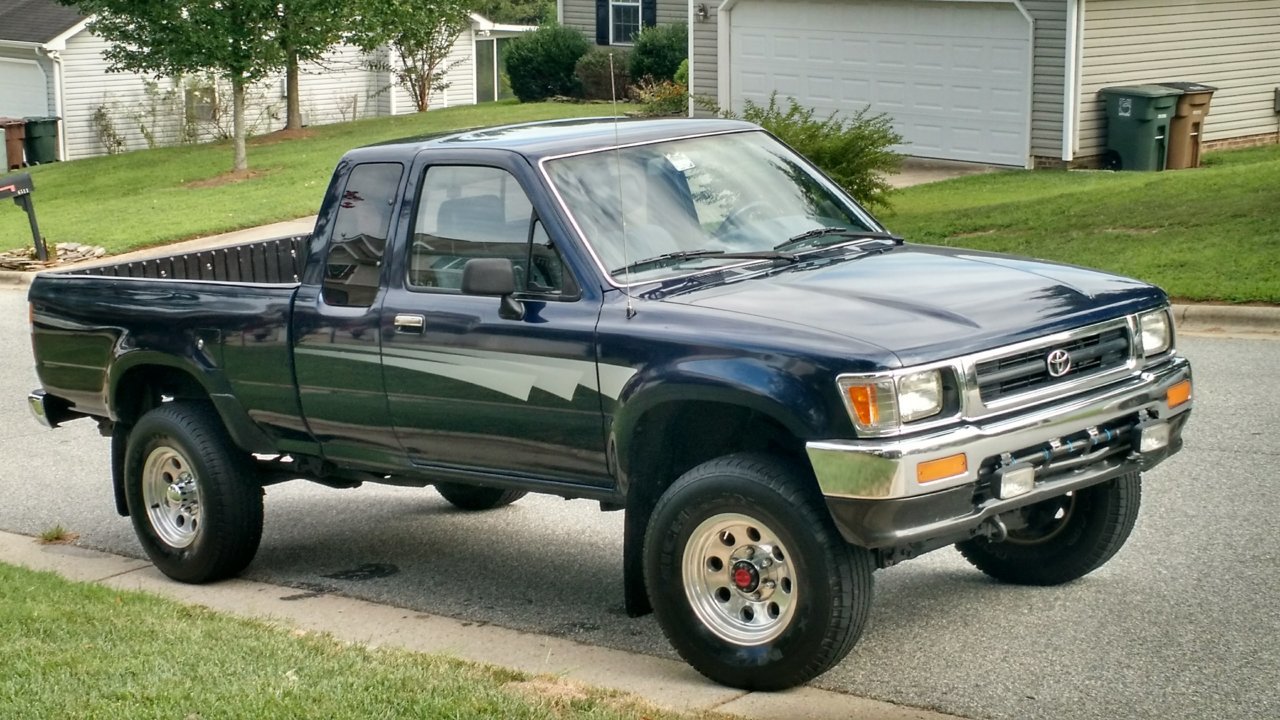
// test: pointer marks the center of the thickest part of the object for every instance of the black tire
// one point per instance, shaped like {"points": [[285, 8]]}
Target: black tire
{"points": [[1067, 537], [185, 443], [825, 583], [477, 497]]}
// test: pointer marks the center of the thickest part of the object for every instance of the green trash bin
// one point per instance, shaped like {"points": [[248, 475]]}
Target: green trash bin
{"points": [[42, 140], [1138, 118]]}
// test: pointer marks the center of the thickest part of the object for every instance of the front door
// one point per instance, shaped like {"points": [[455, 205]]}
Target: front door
{"points": [[467, 388]]}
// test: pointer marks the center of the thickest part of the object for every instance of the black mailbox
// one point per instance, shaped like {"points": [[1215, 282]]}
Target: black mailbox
{"points": [[19, 187]]}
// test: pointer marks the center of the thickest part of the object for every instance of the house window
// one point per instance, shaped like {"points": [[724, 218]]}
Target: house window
{"points": [[202, 103], [624, 21]]}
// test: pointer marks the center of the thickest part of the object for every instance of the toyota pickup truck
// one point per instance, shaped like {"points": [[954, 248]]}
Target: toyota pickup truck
{"points": [[681, 319]]}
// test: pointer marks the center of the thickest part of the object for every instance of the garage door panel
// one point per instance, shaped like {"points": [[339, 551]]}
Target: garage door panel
{"points": [[24, 89], [954, 76]]}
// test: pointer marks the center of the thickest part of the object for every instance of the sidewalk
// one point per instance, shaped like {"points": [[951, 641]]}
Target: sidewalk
{"points": [[665, 683]]}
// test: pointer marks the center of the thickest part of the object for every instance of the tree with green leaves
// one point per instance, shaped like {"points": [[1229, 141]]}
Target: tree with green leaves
{"points": [[420, 35], [305, 31], [235, 40]]}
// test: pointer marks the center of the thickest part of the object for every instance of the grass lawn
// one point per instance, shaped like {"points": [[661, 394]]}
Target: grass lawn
{"points": [[143, 198], [1211, 234], [77, 650]]}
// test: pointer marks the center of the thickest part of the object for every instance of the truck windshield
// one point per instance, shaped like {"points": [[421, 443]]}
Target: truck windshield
{"points": [[697, 203]]}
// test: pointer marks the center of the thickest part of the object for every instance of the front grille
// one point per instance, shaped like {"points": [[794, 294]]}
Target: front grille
{"points": [[1028, 371]]}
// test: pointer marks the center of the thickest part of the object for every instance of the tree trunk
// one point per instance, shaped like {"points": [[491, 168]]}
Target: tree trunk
{"points": [[237, 123], [294, 112]]}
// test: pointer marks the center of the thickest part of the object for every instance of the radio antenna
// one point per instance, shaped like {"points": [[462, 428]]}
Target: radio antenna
{"points": [[622, 214]]}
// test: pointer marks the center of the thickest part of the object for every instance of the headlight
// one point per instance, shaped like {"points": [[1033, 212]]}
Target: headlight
{"points": [[1156, 335], [919, 395], [877, 405]]}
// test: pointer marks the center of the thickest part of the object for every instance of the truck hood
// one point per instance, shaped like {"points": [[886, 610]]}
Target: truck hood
{"points": [[926, 303]]}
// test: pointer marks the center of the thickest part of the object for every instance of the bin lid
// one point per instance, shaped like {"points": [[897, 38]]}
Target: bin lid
{"points": [[1189, 88], [41, 118], [7, 121], [1150, 91]]}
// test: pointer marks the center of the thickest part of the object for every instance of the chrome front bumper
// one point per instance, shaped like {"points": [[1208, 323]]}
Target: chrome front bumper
{"points": [[874, 482]]}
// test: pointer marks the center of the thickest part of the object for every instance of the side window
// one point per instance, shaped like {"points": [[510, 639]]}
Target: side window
{"points": [[467, 212], [360, 234]]}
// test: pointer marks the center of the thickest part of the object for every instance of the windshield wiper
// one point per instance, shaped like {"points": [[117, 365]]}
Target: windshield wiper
{"points": [[808, 237], [693, 254]]}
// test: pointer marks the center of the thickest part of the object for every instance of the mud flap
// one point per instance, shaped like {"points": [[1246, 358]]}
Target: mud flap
{"points": [[636, 520], [119, 445]]}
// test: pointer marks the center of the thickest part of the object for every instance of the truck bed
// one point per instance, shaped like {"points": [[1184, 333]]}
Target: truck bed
{"points": [[220, 315]]}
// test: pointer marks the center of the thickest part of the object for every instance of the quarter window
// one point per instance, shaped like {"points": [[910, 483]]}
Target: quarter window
{"points": [[359, 236], [467, 212], [624, 21]]}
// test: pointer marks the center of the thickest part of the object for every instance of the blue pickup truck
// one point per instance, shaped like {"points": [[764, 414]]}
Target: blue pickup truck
{"points": [[681, 319]]}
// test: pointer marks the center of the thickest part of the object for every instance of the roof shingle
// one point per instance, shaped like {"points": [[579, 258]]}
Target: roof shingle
{"points": [[35, 21]]}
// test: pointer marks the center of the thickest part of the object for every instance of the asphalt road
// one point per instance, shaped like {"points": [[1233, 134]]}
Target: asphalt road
{"points": [[1184, 623]]}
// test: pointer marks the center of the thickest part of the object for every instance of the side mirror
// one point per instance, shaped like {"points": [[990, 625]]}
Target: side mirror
{"points": [[497, 277]]}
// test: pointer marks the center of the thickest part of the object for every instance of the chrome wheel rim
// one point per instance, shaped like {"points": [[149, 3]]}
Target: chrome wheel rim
{"points": [[171, 493], [739, 579]]}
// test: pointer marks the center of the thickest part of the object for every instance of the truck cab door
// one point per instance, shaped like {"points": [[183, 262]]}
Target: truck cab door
{"points": [[473, 388], [336, 320]]}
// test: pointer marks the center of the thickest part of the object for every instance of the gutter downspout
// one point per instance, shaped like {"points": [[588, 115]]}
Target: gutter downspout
{"points": [[58, 92], [724, 81], [1071, 79]]}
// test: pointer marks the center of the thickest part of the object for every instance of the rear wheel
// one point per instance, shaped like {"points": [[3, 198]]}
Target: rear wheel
{"points": [[750, 580], [195, 506], [1065, 538], [477, 497]]}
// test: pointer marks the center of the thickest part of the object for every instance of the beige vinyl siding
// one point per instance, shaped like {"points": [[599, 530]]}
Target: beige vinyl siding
{"points": [[581, 15], [703, 68], [1048, 75], [87, 86], [462, 80], [1233, 45], [339, 88]]}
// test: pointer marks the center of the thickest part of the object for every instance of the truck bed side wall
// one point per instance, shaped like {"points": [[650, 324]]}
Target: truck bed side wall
{"points": [[97, 333]]}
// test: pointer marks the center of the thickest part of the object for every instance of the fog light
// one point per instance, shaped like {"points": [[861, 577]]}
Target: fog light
{"points": [[1014, 480], [1153, 436]]}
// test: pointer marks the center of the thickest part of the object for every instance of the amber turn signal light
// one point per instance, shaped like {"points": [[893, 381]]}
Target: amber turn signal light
{"points": [[862, 398], [1178, 394], [946, 467]]}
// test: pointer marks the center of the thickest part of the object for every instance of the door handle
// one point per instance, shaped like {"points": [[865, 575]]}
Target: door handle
{"points": [[410, 323]]}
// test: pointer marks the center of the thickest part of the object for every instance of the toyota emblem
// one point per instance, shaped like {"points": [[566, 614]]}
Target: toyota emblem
{"points": [[1058, 363]]}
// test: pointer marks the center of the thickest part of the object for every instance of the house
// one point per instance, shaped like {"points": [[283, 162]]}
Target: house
{"points": [[616, 22], [1012, 82], [52, 65]]}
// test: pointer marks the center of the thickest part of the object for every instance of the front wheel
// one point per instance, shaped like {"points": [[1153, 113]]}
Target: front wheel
{"points": [[751, 582], [191, 493], [1065, 538]]}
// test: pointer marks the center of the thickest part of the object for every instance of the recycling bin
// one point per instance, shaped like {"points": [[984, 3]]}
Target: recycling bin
{"points": [[14, 132], [1186, 131], [1138, 118], [42, 140]]}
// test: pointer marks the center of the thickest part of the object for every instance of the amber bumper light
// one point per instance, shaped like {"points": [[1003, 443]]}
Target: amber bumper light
{"points": [[946, 467], [1178, 394]]}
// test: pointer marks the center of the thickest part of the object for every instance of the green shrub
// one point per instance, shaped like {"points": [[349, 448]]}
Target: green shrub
{"points": [[682, 73], [658, 51], [663, 97], [592, 72], [853, 150], [540, 63]]}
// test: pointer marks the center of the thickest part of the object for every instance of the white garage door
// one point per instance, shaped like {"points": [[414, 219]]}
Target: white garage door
{"points": [[23, 90], [954, 76]]}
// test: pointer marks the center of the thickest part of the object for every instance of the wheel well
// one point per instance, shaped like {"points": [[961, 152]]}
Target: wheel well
{"points": [[146, 386], [675, 437], [671, 439]]}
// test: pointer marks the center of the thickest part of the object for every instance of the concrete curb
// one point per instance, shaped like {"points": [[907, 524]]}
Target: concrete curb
{"points": [[661, 682], [1227, 318]]}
